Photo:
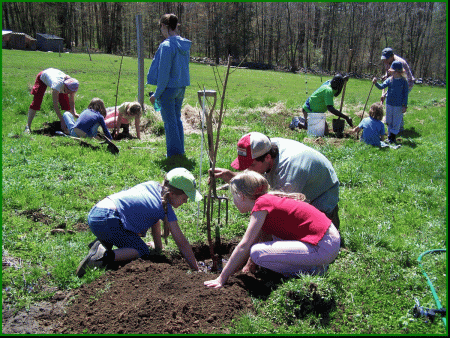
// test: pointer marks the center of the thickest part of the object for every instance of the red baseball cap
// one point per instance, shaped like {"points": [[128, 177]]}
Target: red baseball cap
{"points": [[249, 147]]}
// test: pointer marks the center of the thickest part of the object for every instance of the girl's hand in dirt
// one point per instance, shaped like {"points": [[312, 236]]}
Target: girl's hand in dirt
{"points": [[115, 134], [213, 283], [151, 244]]}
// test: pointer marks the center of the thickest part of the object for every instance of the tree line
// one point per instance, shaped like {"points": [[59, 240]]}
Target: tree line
{"points": [[294, 35]]}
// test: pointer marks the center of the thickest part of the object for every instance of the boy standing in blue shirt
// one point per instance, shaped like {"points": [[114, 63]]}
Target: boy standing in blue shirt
{"points": [[396, 99]]}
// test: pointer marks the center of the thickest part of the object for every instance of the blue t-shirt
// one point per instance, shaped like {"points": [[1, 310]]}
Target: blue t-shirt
{"points": [[141, 207], [89, 121], [372, 130]]}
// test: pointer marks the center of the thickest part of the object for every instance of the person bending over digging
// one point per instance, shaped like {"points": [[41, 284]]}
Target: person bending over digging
{"points": [[123, 218], [89, 120], [122, 117], [372, 127], [63, 90], [289, 166], [284, 234], [322, 100]]}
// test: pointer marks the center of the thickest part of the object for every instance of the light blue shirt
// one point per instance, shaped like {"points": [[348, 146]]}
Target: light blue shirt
{"points": [[170, 66], [141, 207], [372, 130]]}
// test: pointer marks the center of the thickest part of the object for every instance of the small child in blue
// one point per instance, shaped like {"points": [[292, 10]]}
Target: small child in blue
{"points": [[396, 99], [372, 127], [89, 120], [121, 219]]}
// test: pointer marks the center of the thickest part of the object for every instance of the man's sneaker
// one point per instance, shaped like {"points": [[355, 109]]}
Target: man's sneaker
{"points": [[92, 259], [27, 130]]}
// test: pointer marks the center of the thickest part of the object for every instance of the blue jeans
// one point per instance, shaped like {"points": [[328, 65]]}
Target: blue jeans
{"points": [[70, 123], [106, 225], [171, 100]]}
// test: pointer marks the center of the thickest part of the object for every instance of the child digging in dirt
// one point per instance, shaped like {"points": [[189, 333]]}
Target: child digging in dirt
{"points": [[285, 234], [372, 127], [88, 121], [122, 117], [123, 218], [396, 99]]}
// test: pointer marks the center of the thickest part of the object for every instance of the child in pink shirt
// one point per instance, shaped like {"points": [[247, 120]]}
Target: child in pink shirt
{"points": [[285, 234]]}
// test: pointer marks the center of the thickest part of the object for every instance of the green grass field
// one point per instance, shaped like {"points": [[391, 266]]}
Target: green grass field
{"points": [[393, 203]]}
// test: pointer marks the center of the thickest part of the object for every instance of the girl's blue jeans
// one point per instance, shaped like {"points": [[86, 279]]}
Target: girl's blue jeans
{"points": [[171, 100], [106, 225]]}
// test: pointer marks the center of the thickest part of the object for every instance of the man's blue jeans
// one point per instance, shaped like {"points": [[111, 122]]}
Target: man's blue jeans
{"points": [[171, 100]]}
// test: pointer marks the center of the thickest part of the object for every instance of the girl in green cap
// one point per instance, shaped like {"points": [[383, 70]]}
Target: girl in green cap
{"points": [[123, 218]]}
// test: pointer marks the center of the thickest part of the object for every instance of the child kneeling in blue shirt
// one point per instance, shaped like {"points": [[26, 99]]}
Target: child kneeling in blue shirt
{"points": [[372, 127], [121, 219]]}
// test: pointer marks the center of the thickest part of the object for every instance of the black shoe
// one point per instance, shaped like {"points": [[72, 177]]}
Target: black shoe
{"points": [[92, 259]]}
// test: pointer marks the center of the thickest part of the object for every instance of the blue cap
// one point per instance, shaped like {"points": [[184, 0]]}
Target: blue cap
{"points": [[386, 53], [397, 66]]}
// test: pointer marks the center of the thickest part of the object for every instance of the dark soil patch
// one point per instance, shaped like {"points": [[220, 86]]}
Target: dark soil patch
{"points": [[161, 296], [37, 216]]}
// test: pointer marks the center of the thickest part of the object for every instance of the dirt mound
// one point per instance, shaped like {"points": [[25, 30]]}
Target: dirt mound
{"points": [[161, 296]]}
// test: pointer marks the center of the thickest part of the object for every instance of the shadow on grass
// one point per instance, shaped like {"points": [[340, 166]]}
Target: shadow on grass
{"points": [[407, 136], [176, 161]]}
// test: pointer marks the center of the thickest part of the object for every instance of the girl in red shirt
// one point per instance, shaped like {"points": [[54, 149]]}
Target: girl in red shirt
{"points": [[285, 234]]}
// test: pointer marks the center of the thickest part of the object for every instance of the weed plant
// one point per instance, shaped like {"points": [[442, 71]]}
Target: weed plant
{"points": [[393, 203]]}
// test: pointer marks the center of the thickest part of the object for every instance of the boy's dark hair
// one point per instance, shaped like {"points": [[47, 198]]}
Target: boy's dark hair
{"points": [[376, 111], [337, 83], [273, 152]]}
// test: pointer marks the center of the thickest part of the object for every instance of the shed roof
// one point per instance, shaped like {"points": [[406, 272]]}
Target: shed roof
{"points": [[49, 36]]}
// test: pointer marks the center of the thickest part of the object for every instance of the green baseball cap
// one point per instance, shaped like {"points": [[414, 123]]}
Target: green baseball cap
{"points": [[182, 178]]}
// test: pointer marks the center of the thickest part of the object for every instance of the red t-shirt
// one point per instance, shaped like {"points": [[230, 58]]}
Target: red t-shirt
{"points": [[291, 219]]}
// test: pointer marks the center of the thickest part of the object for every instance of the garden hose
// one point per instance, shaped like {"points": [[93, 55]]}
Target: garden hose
{"points": [[418, 308]]}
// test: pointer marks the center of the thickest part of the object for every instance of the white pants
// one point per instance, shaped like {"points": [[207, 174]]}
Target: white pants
{"points": [[290, 257]]}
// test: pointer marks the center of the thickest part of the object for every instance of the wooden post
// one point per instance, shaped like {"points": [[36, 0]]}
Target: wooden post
{"points": [[87, 48], [140, 52]]}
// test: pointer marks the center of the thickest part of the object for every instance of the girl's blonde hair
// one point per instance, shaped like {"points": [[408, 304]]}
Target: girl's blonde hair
{"points": [[253, 185], [376, 111], [166, 189], [134, 109], [98, 106]]}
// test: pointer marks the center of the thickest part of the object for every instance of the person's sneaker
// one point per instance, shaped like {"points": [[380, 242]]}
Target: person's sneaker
{"points": [[27, 130], [92, 259], [92, 243]]}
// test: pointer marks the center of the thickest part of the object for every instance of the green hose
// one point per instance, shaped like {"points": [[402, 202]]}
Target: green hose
{"points": [[433, 291]]}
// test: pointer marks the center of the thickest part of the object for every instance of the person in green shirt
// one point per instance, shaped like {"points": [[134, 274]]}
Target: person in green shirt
{"points": [[322, 99]]}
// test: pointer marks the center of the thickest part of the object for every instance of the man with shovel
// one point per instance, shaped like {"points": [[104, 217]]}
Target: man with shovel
{"points": [[322, 99], [289, 166]]}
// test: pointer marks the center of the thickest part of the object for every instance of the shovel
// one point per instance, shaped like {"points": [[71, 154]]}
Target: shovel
{"points": [[111, 146], [338, 124], [362, 116]]}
